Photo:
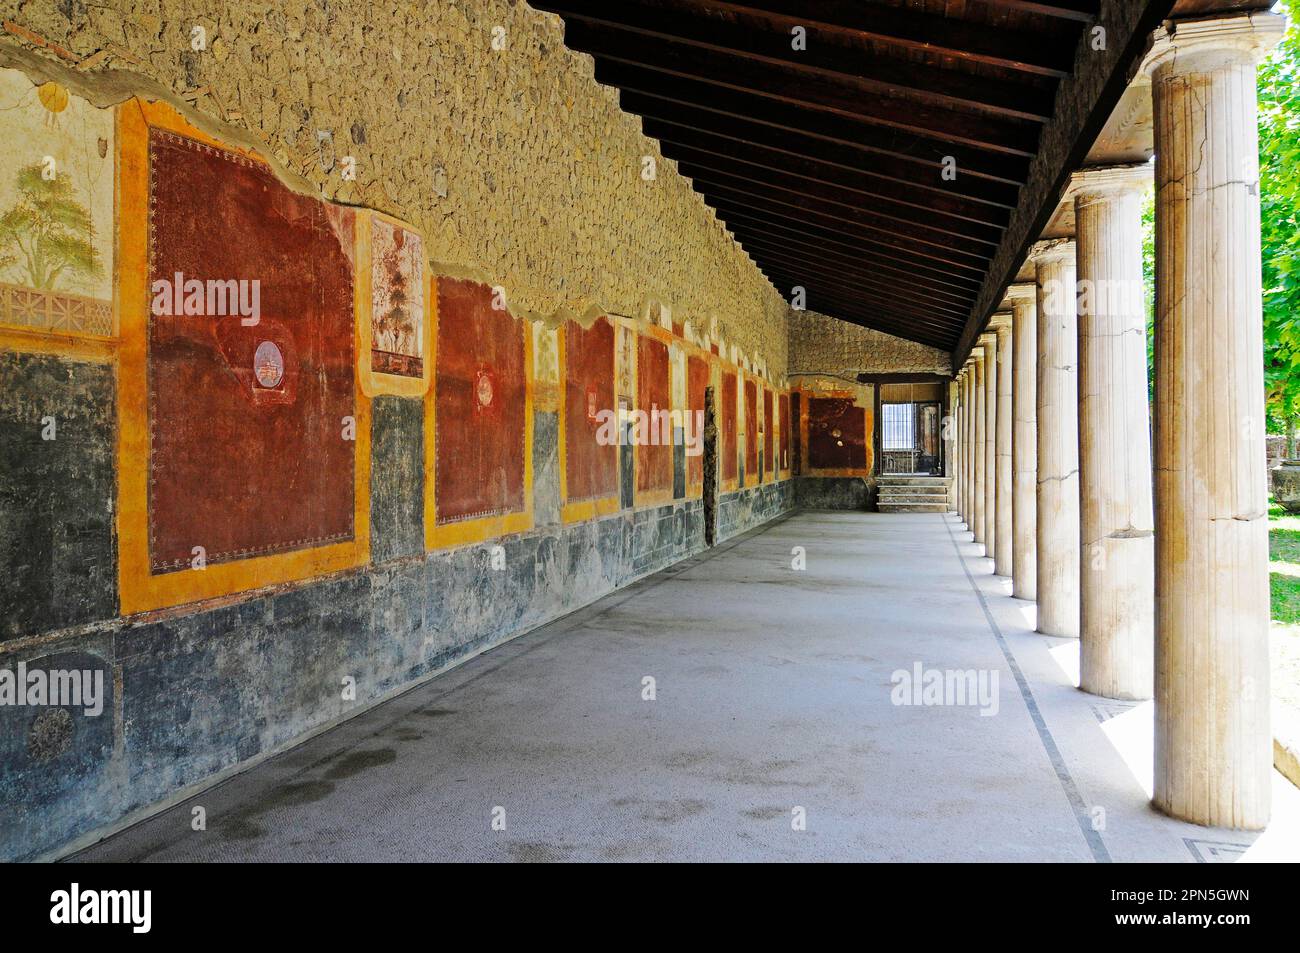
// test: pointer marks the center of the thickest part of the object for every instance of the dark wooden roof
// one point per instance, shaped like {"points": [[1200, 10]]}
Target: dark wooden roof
{"points": [[825, 162]]}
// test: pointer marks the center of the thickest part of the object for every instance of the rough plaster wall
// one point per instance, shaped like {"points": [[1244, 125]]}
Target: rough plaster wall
{"points": [[518, 167], [823, 345]]}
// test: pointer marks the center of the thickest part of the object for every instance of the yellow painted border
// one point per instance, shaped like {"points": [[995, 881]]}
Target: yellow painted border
{"points": [[140, 589], [374, 383], [467, 532], [100, 350], [580, 510]]}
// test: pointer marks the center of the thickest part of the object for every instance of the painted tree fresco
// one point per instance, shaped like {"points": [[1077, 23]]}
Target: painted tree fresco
{"points": [[730, 450], [591, 467], [397, 300], [251, 374], [836, 434], [56, 209], [654, 456], [480, 395]]}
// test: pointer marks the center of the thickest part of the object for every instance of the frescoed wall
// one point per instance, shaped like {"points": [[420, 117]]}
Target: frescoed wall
{"points": [[769, 435], [292, 449], [837, 434], [480, 406], [751, 431], [397, 299], [697, 380], [730, 445], [249, 413], [57, 159], [654, 456], [590, 467], [784, 443]]}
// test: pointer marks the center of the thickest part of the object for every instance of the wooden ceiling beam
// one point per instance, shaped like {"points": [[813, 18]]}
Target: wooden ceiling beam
{"points": [[750, 92], [796, 258], [883, 246], [729, 135], [905, 28], [649, 34], [953, 251], [906, 221], [757, 162]]}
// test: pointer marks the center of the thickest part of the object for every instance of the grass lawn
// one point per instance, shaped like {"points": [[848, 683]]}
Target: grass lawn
{"points": [[1284, 578], [1284, 564]]}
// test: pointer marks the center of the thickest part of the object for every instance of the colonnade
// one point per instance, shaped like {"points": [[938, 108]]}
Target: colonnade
{"points": [[1153, 552]]}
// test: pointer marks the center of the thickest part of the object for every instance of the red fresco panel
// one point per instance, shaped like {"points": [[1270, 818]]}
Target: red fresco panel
{"points": [[654, 460], [836, 434], [697, 379], [784, 411], [768, 445], [729, 450], [591, 470], [751, 429], [480, 404], [247, 455]]}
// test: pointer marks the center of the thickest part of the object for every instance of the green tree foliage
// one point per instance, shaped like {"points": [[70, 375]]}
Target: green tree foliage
{"points": [[47, 235], [1279, 158]]}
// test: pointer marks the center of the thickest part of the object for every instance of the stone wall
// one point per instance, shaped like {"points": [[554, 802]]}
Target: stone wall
{"points": [[825, 346]]}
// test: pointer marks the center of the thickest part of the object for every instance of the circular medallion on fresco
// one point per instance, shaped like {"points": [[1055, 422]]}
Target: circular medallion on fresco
{"points": [[268, 364], [484, 389]]}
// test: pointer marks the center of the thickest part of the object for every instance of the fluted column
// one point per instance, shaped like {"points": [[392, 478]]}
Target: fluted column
{"points": [[977, 444], [968, 461], [952, 457], [1024, 442], [1058, 440], [990, 345], [1001, 325], [1213, 749], [1116, 576]]}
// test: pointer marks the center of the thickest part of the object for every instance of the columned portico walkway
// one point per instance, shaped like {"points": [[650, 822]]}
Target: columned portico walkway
{"points": [[772, 692]]}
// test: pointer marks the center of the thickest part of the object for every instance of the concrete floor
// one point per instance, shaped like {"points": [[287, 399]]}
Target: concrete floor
{"points": [[773, 692]]}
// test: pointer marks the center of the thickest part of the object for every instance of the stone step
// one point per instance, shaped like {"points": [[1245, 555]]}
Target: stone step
{"points": [[913, 481], [886, 507]]}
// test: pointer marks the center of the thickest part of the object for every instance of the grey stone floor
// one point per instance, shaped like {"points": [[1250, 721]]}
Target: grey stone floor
{"points": [[773, 692]]}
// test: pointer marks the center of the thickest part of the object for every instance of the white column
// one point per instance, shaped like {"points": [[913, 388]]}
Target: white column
{"points": [[990, 345], [1024, 442], [1001, 325], [952, 445], [1116, 575], [1058, 440], [1213, 746], [977, 445], [968, 460]]}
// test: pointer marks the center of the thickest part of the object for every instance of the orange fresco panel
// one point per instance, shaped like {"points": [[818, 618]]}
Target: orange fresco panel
{"points": [[729, 451], [654, 458], [480, 405], [768, 443], [751, 429], [591, 470]]}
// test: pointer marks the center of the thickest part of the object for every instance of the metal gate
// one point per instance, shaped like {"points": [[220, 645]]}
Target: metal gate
{"points": [[909, 437]]}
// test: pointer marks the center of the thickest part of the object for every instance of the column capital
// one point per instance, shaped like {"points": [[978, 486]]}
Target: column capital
{"points": [[1021, 291], [1053, 249], [976, 353], [1000, 323], [1111, 180], [988, 340], [1184, 46]]}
